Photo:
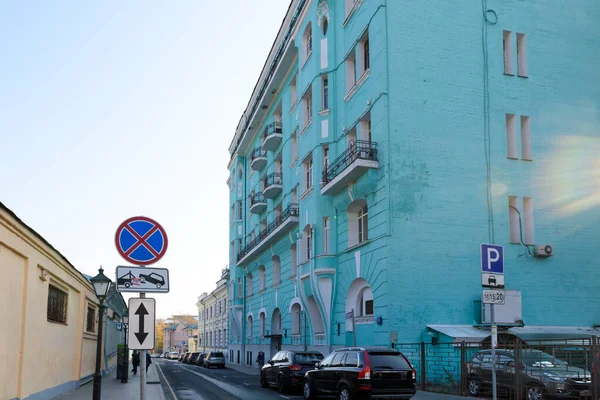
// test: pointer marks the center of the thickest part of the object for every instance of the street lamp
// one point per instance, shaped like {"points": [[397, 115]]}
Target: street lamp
{"points": [[125, 374], [101, 286]]}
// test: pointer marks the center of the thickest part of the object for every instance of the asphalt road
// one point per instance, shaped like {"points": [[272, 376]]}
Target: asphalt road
{"points": [[191, 382]]}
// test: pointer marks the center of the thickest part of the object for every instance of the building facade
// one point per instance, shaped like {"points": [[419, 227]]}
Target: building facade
{"points": [[384, 142], [50, 310], [212, 317], [191, 331], [175, 337]]}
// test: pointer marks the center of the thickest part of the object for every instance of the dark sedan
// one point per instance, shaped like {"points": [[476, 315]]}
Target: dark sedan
{"points": [[287, 368]]}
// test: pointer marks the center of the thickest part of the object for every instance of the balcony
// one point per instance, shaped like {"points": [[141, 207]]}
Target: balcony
{"points": [[258, 203], [348, 166], [258, 159], [272, 136], [288, 218], [272, 184]]}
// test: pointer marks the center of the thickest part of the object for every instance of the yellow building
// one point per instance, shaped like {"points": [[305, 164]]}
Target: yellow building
{"points": [[212, 318], [49, 315]]}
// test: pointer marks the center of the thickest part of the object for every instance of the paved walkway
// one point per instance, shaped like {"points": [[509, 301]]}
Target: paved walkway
{"points": [[113, 389]]}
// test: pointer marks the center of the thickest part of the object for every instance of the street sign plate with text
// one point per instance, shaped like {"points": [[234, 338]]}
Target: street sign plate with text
{"points": [[142, 279], [141, 323], [493, 297]]}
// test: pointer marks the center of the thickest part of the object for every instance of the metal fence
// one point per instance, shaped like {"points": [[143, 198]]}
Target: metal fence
{"points": [[529, 370]]}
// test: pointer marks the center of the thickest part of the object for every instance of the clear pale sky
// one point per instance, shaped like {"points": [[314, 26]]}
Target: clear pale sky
{"points": [[114, 109]]}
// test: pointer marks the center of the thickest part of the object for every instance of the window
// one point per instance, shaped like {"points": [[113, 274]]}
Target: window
{"points": [[324, 25], [350, 6], [338, 359], [363, 53], [307, 39], [350, 71], [57, 305], [261, 319], [327, 360], [521, 55], [307, 245], [351, 137], [232, 215], [239, 210], [225, 339], [365, 128], [528, 220], [293, 260], [325, 157], [358, 222], [240, 245], [293, 148], [262, 277], [513, 213], [249, 328], [307, 108], [351, 360], [326, 228], [249, 284], [231, 252], [276, 269], [90, 325], [511, 136], [278, 210], [308, 175], [507, 44], [325, 94], [293, 91], [365, 306], [525, 139], [294, 195], [296, 319]]}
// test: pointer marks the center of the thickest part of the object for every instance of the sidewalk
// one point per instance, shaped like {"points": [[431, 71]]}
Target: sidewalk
{"points": [[113, 389], [246, 369]]}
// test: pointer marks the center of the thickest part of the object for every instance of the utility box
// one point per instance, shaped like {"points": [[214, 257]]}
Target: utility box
{"points": [[122, 362], [510, 313]]}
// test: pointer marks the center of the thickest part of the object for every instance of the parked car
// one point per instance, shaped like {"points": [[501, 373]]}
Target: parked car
{"points": [[287, 368], [153, 278], [214, 359], [541, 375], [186, 357], [173, 355], [193, 357], [180, 357], [200, 359], [363, 373]]}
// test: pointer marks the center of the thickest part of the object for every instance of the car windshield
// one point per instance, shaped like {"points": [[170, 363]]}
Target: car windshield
{"points": [[542, 360], [309, 359]]}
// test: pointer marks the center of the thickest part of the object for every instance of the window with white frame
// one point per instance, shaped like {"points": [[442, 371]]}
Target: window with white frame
{"points": [[307, 41], [307, 107], [307, 167], [249, 327], [296, 321], [363, 54], [350, 71], [239, 211], [525, 138], [249, 284], [307, 243], [511, 136], [365, 128], [358, 222], [293, 147], [293, 95], [325, 92], [508, 52], [365, 302], [326, 229], [293, 259], [521, 55], [262, 277], [276, 269], [325, 157], [262, 320]]}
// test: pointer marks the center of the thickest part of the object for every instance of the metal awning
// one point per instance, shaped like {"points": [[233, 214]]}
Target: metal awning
{"points": [[461, 333]]}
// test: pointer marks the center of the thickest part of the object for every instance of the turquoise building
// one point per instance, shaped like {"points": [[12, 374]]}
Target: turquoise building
{"points": [[384, 142]]}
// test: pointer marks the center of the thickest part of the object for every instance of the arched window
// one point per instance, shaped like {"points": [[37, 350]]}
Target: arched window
{"points": [[276, 269], [276, 322], [360, 299], [296, 319], [249, 283], [249, 327], [262, 317], [358, 222], [365, 302], [307, 41], [262, 277], [324, 25]]}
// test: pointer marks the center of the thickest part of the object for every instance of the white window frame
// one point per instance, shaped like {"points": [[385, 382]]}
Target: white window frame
{"points": [[513, 215], [363, 224], [325, 92], [350, 71], [307, 173], [240, 211], [262, 272], [522, 55], [365, 295], [326, 235], [294, 147], [364, 62], [307, 114], [508, 52], [511, 136], [526, 138], [307, 41]]}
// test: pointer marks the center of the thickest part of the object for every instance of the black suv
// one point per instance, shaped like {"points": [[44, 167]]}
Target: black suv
{"points": [[540, 375], [356, 372], [287, 368]]}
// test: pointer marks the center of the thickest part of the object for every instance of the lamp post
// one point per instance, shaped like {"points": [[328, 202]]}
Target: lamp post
{"points": [[125, 374], [101, 287]]}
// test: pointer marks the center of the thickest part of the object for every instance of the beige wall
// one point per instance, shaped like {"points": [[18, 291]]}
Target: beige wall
{"points": [[36, 354]]}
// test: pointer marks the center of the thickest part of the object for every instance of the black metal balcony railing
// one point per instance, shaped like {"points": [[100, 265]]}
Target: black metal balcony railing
{"points": [[292, 210], [258, 152], [257, 198], [361, 149], [274, 127], [273, 178]]}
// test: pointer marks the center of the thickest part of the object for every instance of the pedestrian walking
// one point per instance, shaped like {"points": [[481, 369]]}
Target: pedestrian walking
{"points": [[135, 360], [148, 361], [260, 359]]}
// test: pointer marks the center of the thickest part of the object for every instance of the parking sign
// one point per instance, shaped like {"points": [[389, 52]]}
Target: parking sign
{"points": [[492, 259]]}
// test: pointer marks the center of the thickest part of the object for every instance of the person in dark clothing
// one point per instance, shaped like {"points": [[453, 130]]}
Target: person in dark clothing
{"points": [[148, 361], [260, 359], [135, 360]]}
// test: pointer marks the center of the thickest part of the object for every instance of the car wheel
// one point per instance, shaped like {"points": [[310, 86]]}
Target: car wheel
{"points": [[281, 385], [158, 285], [309, 393], [127, 284], [534, 392], [474, 389], [263, 381], [344, 393]]}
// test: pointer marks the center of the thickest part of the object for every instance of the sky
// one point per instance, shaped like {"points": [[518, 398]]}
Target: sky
{"points": [[110, 110]]}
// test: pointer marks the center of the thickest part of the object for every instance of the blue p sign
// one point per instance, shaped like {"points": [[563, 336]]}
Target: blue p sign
{"points": [[492, 259]]}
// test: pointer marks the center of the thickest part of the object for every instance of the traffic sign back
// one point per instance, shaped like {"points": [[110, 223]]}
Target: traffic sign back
{"points": [[141, 240]]}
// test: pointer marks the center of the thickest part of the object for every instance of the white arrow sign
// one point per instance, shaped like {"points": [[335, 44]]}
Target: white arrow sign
{"points": [[141, 323]]}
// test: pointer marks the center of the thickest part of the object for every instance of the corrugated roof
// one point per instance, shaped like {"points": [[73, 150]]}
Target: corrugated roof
{"points": [[461, 333]]}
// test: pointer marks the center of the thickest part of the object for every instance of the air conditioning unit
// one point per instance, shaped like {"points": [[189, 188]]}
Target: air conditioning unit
{"points": [[543, 250]]}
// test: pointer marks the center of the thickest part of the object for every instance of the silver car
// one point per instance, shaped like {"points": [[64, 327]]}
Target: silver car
{"points": [[214, 359]]}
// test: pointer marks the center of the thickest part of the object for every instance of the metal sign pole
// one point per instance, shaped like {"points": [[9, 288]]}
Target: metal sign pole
{"points": [[494, 342], [143, 367], [353, 328]]}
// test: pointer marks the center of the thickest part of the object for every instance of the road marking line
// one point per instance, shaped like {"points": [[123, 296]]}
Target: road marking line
{"points": [[247, 384], [284, 397], [168, 384]]}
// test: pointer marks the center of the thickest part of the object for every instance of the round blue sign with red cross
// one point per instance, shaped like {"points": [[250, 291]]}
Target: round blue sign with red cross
{"points": [[141, 240]]}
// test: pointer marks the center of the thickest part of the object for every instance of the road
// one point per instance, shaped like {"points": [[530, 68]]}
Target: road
{"points": [[190, 382]]}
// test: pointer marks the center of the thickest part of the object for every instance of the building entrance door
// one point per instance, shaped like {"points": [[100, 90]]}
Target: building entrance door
{"points": [[275, 346]]}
